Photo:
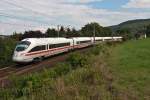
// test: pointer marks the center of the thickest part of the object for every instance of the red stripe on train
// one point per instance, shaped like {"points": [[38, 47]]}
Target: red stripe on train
{"points": [[45, 51]]}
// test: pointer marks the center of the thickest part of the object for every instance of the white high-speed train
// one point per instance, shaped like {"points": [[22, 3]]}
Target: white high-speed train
{"points": [[35, 49]]}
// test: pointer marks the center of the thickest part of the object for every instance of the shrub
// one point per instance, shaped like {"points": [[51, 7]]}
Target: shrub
{"points": [[6, 50], [62, 69], [77, 60], [97, 49]]}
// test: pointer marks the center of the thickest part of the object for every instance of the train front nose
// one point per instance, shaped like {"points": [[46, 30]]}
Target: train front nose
{"points": [[20, 51], [17, 57]]}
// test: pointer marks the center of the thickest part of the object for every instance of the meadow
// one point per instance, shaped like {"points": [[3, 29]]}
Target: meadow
{"points": [[130, 65]]}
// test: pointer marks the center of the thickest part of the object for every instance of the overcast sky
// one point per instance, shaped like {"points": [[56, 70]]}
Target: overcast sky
{"points": [[21, 15]]}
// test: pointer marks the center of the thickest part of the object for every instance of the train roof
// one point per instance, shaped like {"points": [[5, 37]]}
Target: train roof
{"points": [[56, 39], [47, 40], [82, 38]]}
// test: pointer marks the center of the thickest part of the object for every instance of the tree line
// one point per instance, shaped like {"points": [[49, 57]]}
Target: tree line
{"points": [[88, 30]]}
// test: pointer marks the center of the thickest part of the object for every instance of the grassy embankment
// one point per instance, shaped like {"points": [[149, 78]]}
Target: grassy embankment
{"points": [[79, 77], [116, 73]]}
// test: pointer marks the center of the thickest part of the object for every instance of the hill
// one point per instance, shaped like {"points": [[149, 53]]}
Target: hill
{"points": [[137, 25]]}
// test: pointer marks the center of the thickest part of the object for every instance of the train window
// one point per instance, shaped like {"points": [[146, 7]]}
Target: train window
{"points": [[58, 45], [23, 45], [78, 42], [85, 41], [63, 44], [51, 46], [38, 48], [98, 40]]}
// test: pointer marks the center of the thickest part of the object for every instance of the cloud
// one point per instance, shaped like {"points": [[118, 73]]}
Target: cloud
{"points": [[138, 4], [41, 14], [83, 1]]}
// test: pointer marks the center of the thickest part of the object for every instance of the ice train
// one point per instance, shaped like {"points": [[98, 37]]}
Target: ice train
{"points": [[35, 49]]}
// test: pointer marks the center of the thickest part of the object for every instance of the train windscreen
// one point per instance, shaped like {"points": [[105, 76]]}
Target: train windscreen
{"points": [[21, 46]]}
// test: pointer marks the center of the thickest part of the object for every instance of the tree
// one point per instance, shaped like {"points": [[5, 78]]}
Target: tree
{"points": [[7, 46], [107, 31], [62, 32], [90, 29], [51, 32], [75, 33], [125, 33], [137, 36], [148, 31], [69, 32], [32, 34], [16, 36]]}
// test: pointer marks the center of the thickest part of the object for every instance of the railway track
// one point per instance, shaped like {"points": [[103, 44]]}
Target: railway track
{"points": [[5, 73]]}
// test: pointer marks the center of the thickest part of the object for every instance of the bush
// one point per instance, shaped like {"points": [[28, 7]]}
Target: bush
{"points": [[97, 49], [62, 69], [6, 50], [77, 60]]}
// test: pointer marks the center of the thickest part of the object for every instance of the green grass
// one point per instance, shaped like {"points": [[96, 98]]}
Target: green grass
{"points": [[130, 64]]}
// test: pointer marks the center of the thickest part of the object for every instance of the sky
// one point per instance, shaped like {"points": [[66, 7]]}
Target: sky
{"points": [[24, 15]]}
